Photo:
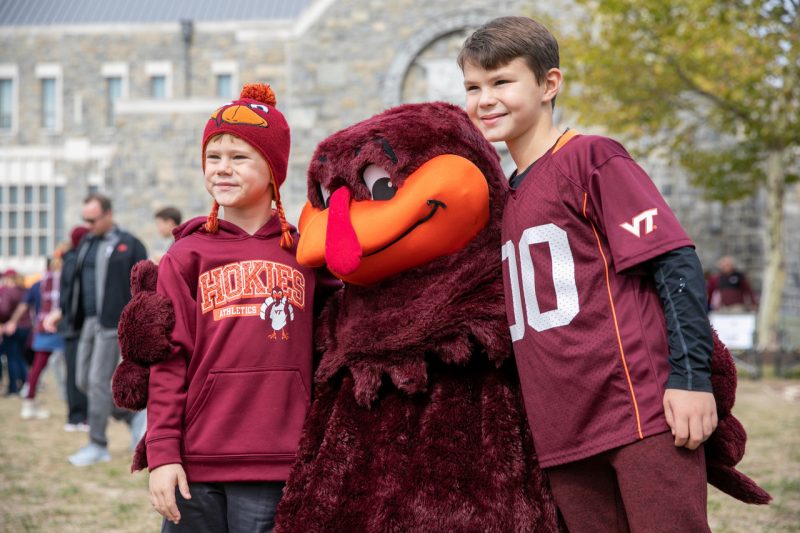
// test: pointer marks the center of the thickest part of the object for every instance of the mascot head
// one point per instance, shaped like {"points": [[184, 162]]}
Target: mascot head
{"points": [[397, 192]]}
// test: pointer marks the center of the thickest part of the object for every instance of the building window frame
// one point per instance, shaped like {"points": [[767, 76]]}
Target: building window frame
{"points": [[10, 72], [32, 208], [220, 69], [111, 71], [51, 73], [159, 69]]}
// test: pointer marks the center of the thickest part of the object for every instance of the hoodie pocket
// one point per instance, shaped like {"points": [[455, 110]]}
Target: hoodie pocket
{"points": [[247, 411]]}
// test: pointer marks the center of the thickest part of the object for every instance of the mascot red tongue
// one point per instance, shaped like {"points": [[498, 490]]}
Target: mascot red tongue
{"points": [[343, 255]]}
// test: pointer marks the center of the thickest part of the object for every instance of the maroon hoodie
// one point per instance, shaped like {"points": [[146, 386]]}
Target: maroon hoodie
{"points": [[230, 401]]}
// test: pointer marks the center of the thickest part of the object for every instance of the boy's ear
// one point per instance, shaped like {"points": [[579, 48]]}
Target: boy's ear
{"points": [[552, 80]]}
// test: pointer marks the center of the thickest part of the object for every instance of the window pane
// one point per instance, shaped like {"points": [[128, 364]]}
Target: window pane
{"points": [[113, 92], [48, 103], [12, 246], [224, 85], [6, 103], [43, 194], [12, 194], [43, 248], [43, 220], [28, 194], [12, 219], [28, 220], [60, 202], [158, 87], [27, 246]]}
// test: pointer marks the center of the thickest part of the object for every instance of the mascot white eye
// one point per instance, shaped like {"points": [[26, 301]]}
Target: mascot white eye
{"points": [[263, 108], [379, 183]]}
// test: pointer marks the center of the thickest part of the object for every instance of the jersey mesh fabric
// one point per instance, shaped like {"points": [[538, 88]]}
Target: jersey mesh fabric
{"points": [[588, 327]]}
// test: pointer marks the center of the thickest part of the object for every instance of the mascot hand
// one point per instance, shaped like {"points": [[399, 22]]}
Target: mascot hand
{"points": [[725, 448], [144, 329]]}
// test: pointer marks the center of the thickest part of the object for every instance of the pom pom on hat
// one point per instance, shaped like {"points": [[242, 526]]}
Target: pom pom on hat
{"points": [[260, 92]]}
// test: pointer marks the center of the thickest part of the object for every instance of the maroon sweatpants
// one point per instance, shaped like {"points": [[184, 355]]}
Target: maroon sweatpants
{"points": [[39, 362], [649, 486]]}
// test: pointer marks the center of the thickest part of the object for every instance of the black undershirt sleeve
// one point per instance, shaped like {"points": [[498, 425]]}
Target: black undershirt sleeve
{"points": [[680, 284]]}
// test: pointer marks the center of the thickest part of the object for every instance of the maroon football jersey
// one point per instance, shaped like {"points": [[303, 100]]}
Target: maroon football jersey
{"points": [[588, 327]]}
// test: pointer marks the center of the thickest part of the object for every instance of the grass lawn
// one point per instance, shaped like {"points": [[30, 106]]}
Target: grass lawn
{"points": [[41, 491]]}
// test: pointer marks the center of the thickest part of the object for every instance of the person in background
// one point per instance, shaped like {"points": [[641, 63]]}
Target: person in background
{"points": [[731, 289], [12, 292], [167, 219], [42, 299], [61, 320], [99, 289]]}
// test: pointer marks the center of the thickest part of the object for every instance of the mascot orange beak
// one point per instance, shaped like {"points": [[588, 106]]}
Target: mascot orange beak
{"points": [[438, 209]]}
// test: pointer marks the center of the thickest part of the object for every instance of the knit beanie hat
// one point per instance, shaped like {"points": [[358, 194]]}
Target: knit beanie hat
{"points": [[254, 119], [77, 233]]}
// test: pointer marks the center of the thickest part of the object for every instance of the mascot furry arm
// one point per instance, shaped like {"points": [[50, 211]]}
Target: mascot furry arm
{"points": [[417, 422], [144, 330]]}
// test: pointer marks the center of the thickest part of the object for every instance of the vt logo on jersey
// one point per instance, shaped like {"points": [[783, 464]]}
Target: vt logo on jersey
{"points": [[278, 286], [635, 225]]}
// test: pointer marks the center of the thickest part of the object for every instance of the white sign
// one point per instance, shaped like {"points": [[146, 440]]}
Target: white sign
{"points": [[736, 330]]}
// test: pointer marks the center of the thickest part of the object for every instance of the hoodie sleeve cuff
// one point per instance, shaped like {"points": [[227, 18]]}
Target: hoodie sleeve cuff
{"points": [[163, 452]]}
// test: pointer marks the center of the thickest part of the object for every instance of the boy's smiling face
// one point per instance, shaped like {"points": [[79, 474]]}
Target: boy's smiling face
{"points": [[505, 103], [237, 175]]}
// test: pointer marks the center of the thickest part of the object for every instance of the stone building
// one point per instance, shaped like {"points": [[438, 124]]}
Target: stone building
{"points": [[112, 96]]}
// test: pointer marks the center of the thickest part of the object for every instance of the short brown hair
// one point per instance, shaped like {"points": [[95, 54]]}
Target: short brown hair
{"points": [[500, 41], [100, 198], [169, 213]]}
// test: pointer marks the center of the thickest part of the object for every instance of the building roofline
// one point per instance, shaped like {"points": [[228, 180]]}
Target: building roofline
{"points": [[281, 29], [285, 25]]}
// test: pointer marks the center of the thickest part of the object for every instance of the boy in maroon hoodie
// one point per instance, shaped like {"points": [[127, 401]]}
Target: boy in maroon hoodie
{"points": [[226, 408]]}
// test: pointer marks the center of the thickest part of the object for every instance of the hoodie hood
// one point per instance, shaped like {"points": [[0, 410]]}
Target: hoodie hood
{"points": [[228, 230]]}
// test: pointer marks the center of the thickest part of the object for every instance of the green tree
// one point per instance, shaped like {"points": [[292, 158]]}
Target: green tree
{"points": [[715, 82]]}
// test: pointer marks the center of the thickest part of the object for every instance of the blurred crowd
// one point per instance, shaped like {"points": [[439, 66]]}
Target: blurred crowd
{"points": [[65, 322]]}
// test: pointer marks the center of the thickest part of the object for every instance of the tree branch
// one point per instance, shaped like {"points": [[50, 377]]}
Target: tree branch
{"points": [[720, 102]]}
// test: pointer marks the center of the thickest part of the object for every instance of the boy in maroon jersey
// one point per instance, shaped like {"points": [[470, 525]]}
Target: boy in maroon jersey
{"points": [[605, 300]]}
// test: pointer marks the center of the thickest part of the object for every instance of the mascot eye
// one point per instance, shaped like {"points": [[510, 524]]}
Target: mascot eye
{"points": [[263, 108], [324, 194], [377, 181]]}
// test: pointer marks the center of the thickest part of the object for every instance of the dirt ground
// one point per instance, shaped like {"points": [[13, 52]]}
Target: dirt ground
{"points": [[41, 491]]}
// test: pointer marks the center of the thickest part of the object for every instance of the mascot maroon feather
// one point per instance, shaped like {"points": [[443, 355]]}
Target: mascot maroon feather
{"points": [[417, 423]]}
